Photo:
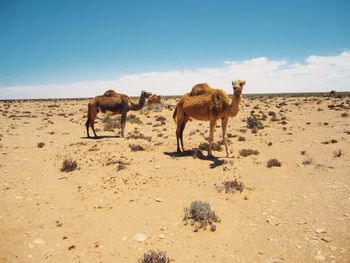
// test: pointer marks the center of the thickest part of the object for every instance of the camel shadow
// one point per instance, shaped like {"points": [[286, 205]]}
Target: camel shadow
{"points": [[101, 137], [199, 155]]}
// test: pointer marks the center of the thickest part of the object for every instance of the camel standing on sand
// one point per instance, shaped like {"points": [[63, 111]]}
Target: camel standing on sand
{"points": [[154, 99], [207, 104], [113, 103]]}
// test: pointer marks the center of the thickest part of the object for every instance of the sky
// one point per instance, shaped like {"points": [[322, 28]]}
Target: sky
{"points": [[53, 49]]}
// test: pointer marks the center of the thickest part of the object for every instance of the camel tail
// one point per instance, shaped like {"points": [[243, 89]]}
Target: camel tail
{"points": [[174, 114]]}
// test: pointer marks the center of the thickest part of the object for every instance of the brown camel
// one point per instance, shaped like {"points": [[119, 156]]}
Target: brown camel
{"points": [[154, 99], [201, 89], [113, 103], [207, 104]]}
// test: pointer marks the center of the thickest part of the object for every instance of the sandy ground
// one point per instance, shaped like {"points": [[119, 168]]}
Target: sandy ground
{"points": [[299, 212]]}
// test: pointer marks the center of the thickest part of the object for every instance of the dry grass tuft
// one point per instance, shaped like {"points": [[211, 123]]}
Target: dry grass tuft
{"points": [[69, 165], [273, 163], [307, 161], [231, 186], [41, 145], [136, 147], [152, 256], [254, 123], [247, 152], [204, 146]]}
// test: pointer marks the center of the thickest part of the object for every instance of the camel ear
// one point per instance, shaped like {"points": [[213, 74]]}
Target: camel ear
{"points": [[243, 82]]}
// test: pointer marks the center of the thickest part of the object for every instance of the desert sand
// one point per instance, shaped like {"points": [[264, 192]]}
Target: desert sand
{"points": [[120, 203]]}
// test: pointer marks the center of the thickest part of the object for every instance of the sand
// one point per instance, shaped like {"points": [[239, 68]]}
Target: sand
{"points": [[120, 203]]}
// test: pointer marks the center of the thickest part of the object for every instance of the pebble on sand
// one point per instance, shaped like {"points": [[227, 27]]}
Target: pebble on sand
{"points": [[140, 237]]}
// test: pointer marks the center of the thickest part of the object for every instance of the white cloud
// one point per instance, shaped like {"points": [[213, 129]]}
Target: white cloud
{"points": [[263, 75]]}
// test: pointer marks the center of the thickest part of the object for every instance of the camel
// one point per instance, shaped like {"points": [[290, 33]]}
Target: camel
{"points": [[154, 99], [200, 89], [113, 103], [207, 104], [110, 93]]}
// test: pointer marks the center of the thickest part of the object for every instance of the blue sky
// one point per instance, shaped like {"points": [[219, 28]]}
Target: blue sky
{"points": [[53, 42]]}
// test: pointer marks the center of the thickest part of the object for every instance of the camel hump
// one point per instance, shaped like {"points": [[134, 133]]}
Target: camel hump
{"points": [[200, 89], [110, 93]]}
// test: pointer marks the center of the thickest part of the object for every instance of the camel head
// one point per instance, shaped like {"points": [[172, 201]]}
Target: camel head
{"points": [[238, 86], [145, 94]]}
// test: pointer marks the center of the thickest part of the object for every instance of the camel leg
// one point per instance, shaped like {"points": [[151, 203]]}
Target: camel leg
{"points": [[224, 122], [182, 131], [211, 136], [179, 119], [123, 122], [87, 125], [178, 135], [91, 121]]}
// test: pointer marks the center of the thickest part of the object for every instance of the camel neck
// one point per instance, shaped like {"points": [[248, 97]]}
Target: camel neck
{"points": [[136, 107], [234, 107]]}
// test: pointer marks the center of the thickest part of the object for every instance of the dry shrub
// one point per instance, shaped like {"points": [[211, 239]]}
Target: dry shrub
{"points": [[138, 135], [69, 165], [241, 139], [247, 152], [307, 162], [136, 147], [344, 114], [204, 146], [231, 186], [254, 123], [200, 213], [152, 256], [161, 118], [41, 145], [110, 124], [273, 162]]}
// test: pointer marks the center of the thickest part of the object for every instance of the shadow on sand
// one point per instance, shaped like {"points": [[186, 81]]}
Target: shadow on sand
{"points": [[198, 154], [101, 137]]}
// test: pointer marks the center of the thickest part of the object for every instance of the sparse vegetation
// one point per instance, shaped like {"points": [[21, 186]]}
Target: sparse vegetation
{"points": [[200, 215], [241, 139], [344, 114], [307, 161], [204, 146], [247, 152], [69, 165], [273, 163], [152, 256], [136, 147], [254, 123], [231, 186], [41, 145], [110, 124], [138, 135]]}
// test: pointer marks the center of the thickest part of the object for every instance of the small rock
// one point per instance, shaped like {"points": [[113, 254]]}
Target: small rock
{"points": [[157, 166], [38, 241], [161, 236], [320, 257], [158, 199], [212, 227], [140, 237], [320, 230]]}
